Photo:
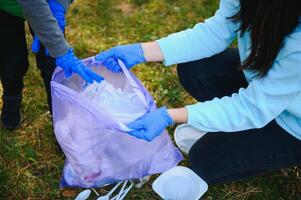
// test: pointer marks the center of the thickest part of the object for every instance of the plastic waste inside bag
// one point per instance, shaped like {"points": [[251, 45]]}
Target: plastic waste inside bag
{"points": [[124, 106], [90, 126]]}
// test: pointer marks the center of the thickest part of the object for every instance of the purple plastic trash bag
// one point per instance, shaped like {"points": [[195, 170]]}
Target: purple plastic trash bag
{"points": [[92, 132]]}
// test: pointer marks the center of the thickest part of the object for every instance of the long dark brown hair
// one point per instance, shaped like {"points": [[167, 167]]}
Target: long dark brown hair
{"points": [[269, 22]]}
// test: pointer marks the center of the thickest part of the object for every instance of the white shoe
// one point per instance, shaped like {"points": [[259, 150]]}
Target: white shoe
{"points": [[185, 136]]}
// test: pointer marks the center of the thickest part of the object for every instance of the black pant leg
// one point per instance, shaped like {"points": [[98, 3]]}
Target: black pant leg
{"points": [[222, 157], [46, 65], [13, 54], [217, 76]]}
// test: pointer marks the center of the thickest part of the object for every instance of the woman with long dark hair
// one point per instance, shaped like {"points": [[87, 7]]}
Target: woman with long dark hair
{"points": [[249, 98]]}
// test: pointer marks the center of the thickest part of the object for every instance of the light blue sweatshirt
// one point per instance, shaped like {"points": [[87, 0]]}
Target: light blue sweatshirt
{"points": [[276, 96]]}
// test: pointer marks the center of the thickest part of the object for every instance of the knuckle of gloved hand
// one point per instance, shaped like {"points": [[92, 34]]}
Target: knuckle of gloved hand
{"points": [[114, 51], [149, 139]]}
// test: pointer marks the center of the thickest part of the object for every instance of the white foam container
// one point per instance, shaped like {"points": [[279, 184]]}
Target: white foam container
{"points": [[180, 183]]}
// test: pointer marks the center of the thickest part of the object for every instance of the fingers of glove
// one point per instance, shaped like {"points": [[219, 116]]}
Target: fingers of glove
{"points": [[67, 72], [112, 65], [104, 55], [93, 75], [136, 125], [85, 76], [35, 46], [149, 137], [81, 72], [140, 134], [107, 63]]}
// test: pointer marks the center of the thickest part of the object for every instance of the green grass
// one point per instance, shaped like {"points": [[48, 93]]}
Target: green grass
{"points": [[30, 159]]}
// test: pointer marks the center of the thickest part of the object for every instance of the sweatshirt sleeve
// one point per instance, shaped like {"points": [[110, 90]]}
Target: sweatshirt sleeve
{"points": [[205, 39], [41, 20], [254, 107]]}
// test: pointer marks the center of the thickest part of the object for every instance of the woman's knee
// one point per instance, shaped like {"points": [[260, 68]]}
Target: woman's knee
{"points": [[202, 159], [193, 70], [212, 77], [190, 74]]}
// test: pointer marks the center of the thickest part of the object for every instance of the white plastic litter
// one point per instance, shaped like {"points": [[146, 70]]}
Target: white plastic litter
{"points": [[185, 136], [83, 195], [180, 183], [119, 196], [107, 196], [107, 96], [138, 183], [126, 191]]}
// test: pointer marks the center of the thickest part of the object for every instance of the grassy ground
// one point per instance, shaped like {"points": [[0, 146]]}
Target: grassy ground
{"points": [[30, 159]]}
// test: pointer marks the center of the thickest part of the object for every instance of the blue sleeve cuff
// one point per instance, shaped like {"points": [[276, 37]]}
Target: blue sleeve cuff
{"points": [[167, 50], [192, 111]]}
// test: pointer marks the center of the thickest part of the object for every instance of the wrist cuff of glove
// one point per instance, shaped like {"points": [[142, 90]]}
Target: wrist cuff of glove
{"points": [[143, 60], [168, 117]]}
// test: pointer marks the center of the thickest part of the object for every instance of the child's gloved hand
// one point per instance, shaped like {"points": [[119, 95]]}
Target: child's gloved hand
{"points": [[71, 64]]}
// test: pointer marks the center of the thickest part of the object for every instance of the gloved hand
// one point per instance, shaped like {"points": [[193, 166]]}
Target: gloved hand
{"points": [[130, 55], [70, 63], [151, 124], [58, 11]]}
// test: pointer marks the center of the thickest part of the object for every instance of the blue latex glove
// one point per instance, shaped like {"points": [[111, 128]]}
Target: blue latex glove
{"points": [[151, 124], [58, 11], [71, 64], [130, 55]]}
